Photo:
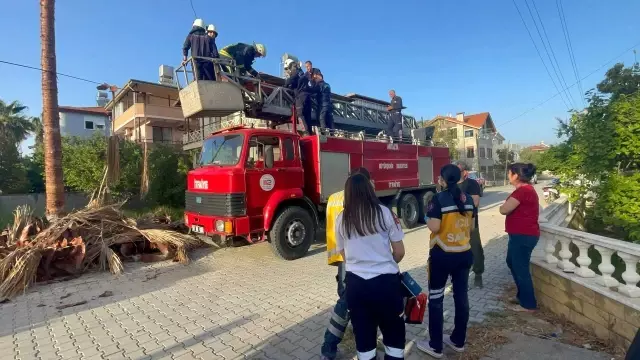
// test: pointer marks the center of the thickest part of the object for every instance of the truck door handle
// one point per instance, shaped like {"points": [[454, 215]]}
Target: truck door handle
{"points": [[279, 169]]}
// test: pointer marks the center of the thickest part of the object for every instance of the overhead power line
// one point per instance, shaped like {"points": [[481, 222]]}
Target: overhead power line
{"points": [[562, 80], [572, 85], [572, 55], [539, 54], [192, 8], [57, 73]]}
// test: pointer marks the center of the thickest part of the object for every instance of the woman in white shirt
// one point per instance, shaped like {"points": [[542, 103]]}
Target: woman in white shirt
{"points": [[370, 238]]}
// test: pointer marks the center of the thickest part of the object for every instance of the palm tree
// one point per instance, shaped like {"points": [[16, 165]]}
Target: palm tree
{"points": [[54, 187], [14, 122]]}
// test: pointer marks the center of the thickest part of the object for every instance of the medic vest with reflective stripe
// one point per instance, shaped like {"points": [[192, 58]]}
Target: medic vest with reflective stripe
{"points": [[334, 206], [455, 228]]}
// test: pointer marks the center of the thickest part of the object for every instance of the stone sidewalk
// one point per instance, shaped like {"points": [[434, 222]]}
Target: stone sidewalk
{"points": [[237, 303]]}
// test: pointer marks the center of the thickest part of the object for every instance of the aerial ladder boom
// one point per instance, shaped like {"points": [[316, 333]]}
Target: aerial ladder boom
{"points": [[267, 99]]}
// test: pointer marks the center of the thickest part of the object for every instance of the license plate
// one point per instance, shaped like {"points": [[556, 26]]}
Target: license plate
{"points": [[197, 229]]}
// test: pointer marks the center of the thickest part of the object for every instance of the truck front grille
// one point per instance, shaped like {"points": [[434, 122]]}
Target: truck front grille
{"points": [[216, 204]]}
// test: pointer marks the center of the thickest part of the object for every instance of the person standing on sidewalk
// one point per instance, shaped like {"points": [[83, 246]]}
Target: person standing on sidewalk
{"points": [[340, 314], [471, 187], [522, 211], [450, 214], [369, 238]]}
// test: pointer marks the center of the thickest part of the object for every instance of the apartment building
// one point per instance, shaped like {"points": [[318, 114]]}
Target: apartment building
{"points": [[476, 136], [84, 122], [146, 112]]}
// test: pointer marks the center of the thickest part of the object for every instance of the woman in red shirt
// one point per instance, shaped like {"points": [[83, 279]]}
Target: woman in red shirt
{"points": [[522, 210]]}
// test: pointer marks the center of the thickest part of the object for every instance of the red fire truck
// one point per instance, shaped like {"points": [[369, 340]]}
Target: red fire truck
{"points": [[260, 180]]}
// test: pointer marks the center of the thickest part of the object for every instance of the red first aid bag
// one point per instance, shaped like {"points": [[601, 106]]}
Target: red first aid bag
{"points": [[414, 310]]}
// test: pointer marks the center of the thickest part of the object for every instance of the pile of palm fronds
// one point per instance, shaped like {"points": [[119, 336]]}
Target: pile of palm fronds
{"points": [[95, 237]]}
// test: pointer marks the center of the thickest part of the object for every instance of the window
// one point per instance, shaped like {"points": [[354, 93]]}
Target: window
{"points": [[162, 134], [481, 153], [288, 149], [489, 153], [257, 146], [222, 150], [88, 125], [468, 133], [100, 126], [471, 153]]}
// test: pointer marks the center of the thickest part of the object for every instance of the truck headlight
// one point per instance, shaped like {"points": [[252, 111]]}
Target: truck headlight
{"points": [[219, 226]]}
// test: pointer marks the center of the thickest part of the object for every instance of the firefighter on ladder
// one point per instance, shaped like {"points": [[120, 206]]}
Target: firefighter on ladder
{"points": [[302, 86], [201, 46], [244, 56]]}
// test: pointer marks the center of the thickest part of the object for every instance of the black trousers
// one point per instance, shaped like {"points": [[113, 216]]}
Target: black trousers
{"points": [[204, 70], [326, 117], [377, 303], [478, 252], [394, 124], [303, 110], [443, 265]]}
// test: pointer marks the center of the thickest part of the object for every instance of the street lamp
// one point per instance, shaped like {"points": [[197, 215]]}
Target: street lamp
{"points": [[113, 89]]}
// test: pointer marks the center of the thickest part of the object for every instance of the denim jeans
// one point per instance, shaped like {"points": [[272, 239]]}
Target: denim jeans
{"points": [[518, 260], [442, 265], [339, 318]]}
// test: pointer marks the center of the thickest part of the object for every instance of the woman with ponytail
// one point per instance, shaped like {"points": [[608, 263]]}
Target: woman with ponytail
{"points": [[451, 216]]}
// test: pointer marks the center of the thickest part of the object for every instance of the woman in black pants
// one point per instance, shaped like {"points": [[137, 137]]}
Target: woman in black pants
{"points": [[370, 239]]}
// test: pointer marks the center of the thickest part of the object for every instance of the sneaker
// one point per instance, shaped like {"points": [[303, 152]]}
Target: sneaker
{"points": [[424, 346], [477, 282], [447, 341]]}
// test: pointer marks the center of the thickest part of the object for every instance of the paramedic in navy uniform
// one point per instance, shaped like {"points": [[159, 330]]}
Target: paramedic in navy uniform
{"points": [[370, 239], [451, 216]]}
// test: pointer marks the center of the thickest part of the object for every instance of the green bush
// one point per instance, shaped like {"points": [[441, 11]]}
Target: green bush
{"points": [[84, 161]]}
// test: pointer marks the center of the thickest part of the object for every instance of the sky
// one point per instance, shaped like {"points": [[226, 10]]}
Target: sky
{"points": [[441, 57]]}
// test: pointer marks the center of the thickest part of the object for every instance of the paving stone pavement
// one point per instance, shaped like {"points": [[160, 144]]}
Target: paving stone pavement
{"points": [[236, 303]]}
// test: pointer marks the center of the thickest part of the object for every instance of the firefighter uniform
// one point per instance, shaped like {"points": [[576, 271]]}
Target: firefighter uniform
{"points": [[244, 56], [325, 107], [450, 255], [394, 123], [340, 314]]}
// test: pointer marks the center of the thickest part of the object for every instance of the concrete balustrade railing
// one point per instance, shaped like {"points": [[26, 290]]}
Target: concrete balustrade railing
{"points": [[551, 235], [568, 283]]}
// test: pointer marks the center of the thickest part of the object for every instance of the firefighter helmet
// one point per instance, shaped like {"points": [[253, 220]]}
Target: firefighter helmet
{"points": [[198, 23], [261, 49], [212, 27], [288, 62]]}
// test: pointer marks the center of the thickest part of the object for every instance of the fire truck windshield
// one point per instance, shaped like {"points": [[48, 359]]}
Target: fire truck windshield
{"points": [[222, 150]]}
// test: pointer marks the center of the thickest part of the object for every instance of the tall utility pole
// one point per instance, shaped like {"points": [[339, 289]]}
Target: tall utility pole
{"points": [[54, 187]]}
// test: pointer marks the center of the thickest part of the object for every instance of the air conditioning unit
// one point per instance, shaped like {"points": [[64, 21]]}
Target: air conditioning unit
{"points": [[166, 74]]}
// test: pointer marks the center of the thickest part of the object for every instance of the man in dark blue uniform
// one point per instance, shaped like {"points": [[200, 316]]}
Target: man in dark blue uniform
{"points": [[323, 98], [303, 86], [200, 45], [394, 124]]}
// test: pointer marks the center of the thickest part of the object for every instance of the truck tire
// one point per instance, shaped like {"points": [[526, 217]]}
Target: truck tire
{"points": [[409, 211], [424, 200], [292, 233]]}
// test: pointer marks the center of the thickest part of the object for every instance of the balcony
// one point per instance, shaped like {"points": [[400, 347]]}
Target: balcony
{"points": [[147, 111]]}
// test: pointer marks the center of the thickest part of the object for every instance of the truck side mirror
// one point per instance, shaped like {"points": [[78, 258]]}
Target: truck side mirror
{"points": [[268, 156]]}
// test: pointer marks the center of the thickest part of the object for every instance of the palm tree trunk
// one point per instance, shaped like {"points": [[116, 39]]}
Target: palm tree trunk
{"points": [[51, 119]]}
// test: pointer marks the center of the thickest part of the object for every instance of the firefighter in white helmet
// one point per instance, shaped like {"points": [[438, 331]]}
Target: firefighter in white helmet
{"points": [[244, 56], [202, 47], [211, 31]]}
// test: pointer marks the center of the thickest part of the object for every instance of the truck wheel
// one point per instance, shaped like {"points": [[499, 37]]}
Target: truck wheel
{"points": [[425, 199], [292, 233], [409, 211]]}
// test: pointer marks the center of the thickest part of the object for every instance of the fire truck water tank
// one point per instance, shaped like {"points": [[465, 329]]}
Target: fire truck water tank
{"points": [[210, 98]]}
